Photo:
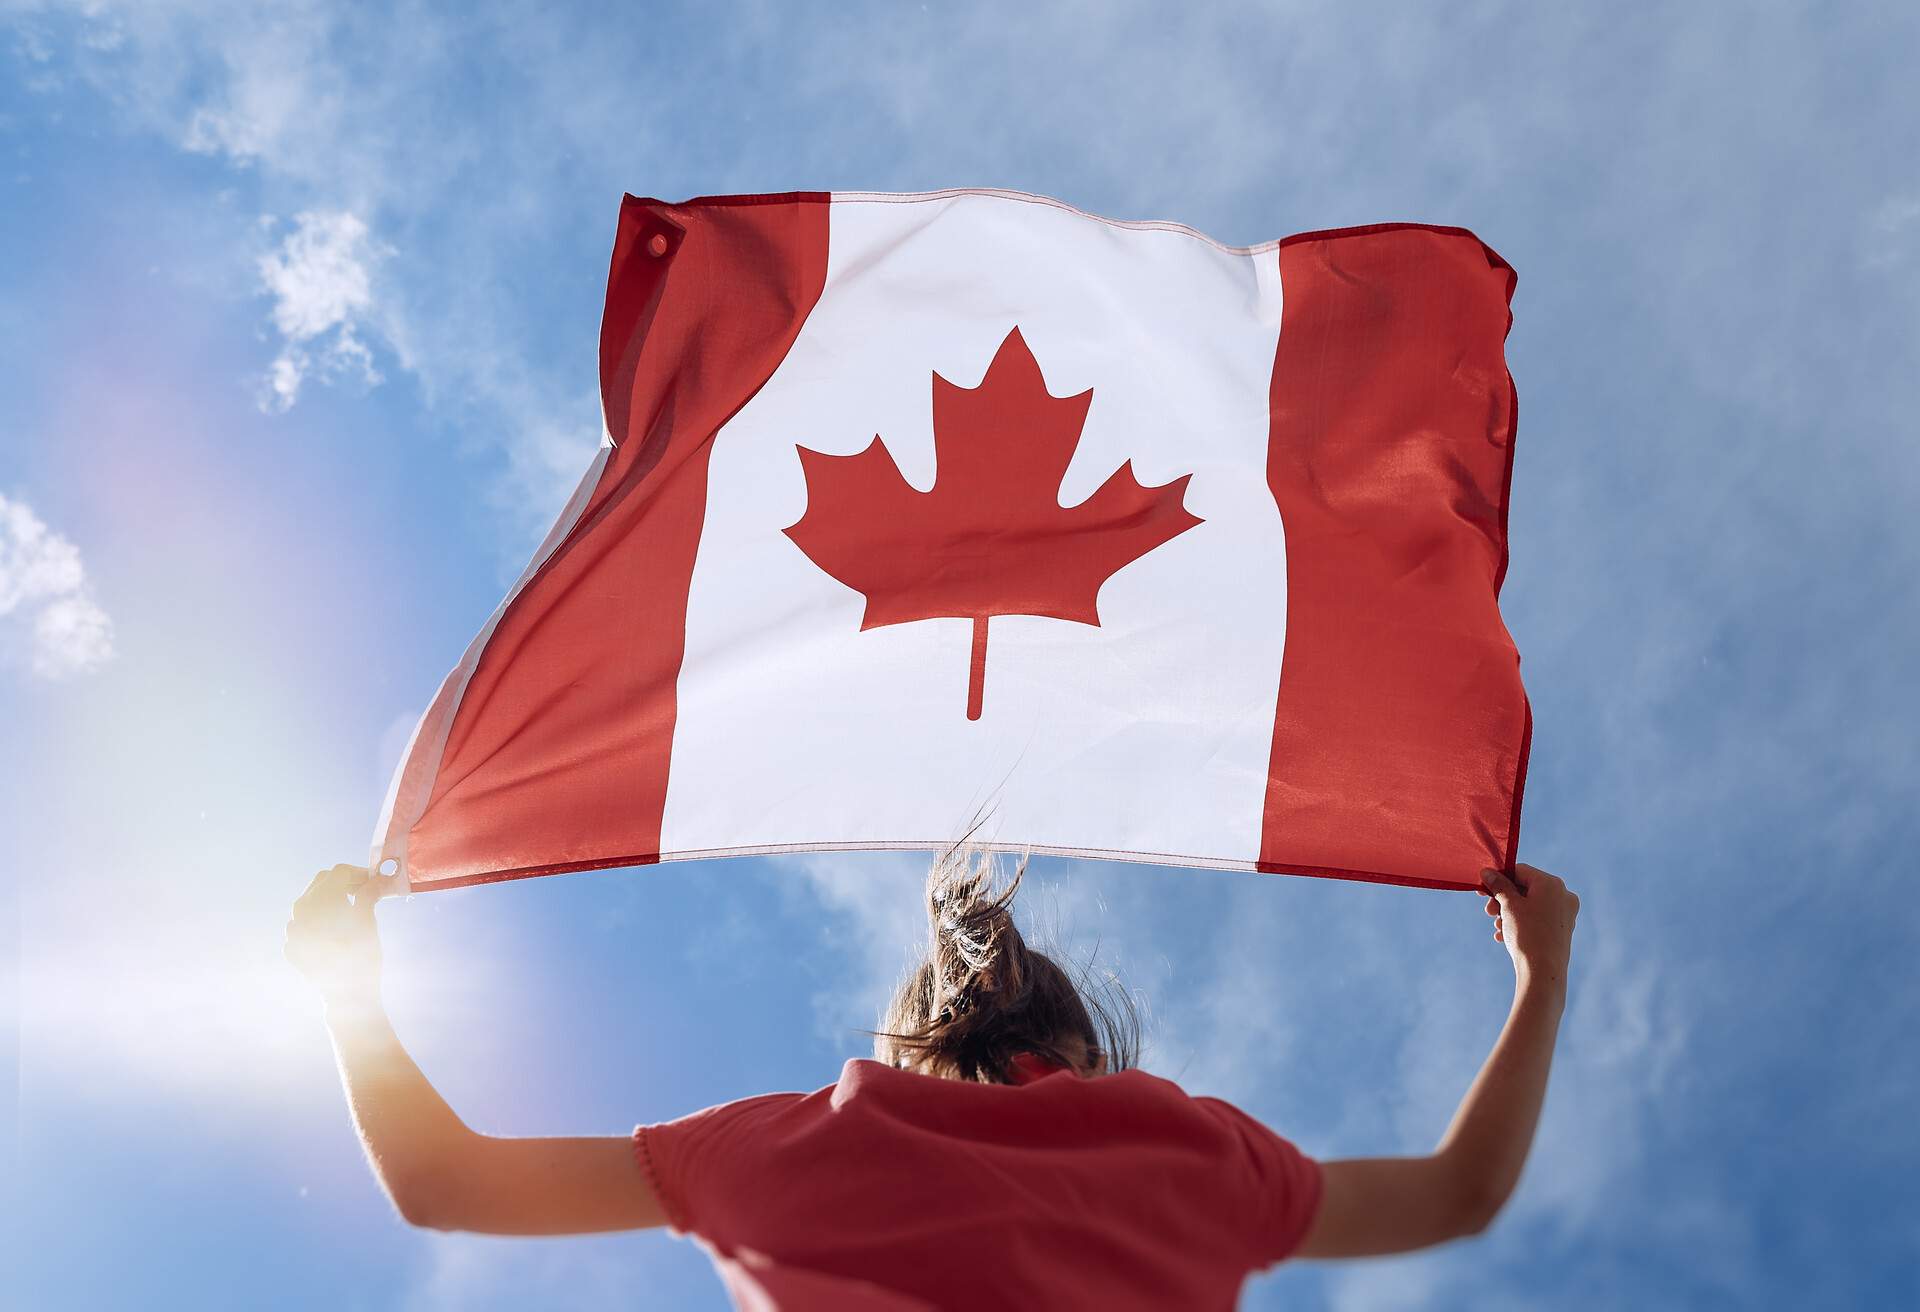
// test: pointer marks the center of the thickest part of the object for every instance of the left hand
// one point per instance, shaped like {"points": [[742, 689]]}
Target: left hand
{"points": [[1534, 920], [332, 938]]}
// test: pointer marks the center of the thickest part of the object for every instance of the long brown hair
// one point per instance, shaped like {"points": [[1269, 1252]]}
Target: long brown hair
{"points": [[982, 996]]}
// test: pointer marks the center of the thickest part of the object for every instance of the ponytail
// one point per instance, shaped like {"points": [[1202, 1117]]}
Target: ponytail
{"points": [[982, 996]]}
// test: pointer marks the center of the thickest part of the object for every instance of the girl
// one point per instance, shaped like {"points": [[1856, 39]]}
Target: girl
{"points": [[999, 1151]]}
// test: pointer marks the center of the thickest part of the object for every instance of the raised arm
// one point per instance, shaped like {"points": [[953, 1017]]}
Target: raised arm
{"points": [[1373, 1206], [438, 1172]]}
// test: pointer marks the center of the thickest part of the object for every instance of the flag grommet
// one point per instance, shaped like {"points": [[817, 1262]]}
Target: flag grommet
{"points": [[657, 244]]}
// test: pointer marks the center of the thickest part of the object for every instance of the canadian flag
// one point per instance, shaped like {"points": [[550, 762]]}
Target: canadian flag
{"points": [[1166, 550]]}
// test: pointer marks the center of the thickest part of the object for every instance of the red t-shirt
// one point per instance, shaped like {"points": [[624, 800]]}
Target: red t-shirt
{"points": [[892, 1191]]}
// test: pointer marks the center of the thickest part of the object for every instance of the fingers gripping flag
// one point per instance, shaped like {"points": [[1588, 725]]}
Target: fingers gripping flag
{"points": [[1187, 553]]}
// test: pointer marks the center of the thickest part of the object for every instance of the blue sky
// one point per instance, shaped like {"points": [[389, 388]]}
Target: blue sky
{"points": [[299, 315]]}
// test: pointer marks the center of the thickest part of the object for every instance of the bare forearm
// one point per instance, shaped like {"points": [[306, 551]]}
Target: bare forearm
{"points": [[1487, 1142], [1398, 1204], [404, 1124], [439, 1173]]}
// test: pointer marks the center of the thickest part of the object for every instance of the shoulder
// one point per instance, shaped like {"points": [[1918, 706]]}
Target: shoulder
{"points": [[691, 1159], [715, 1128], [1284, 1185], [1249, 1130], [760, 1104]]}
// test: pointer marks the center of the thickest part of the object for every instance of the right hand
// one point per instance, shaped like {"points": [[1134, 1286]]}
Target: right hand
{"points": [[1533, 915]]}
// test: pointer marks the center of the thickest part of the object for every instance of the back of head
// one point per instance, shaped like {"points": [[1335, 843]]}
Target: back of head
{"points": [[982, 996]]}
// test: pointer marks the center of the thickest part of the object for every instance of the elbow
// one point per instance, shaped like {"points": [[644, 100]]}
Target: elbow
{"points": [[1474, 1223], [420, 1208], [415, 1214], [419, 1220], [1476, 1211], [1470, 1194], [435, 1188]]}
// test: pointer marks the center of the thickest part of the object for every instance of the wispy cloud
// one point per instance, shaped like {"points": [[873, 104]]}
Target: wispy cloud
{"points": [[359, 127], [46, 603], [873, 905], [1626, 1036], [321, 280]]}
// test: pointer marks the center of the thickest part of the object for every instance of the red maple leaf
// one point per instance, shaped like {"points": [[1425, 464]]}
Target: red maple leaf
{"points": [[990, 537]]}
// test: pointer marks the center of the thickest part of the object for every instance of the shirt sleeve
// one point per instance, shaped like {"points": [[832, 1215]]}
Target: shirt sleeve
{"points": [[1285, 1182], [698, 1162]]}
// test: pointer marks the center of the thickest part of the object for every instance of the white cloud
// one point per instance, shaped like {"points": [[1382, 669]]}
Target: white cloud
{"points": [[548, 449], [873, 901], [44, 585], [359, 125], [71, 634], [1626, 1032], [321, 281]]}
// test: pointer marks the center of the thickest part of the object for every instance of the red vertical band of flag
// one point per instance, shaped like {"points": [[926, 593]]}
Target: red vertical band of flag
{"points": [[559, 754], [1401, 734]]}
